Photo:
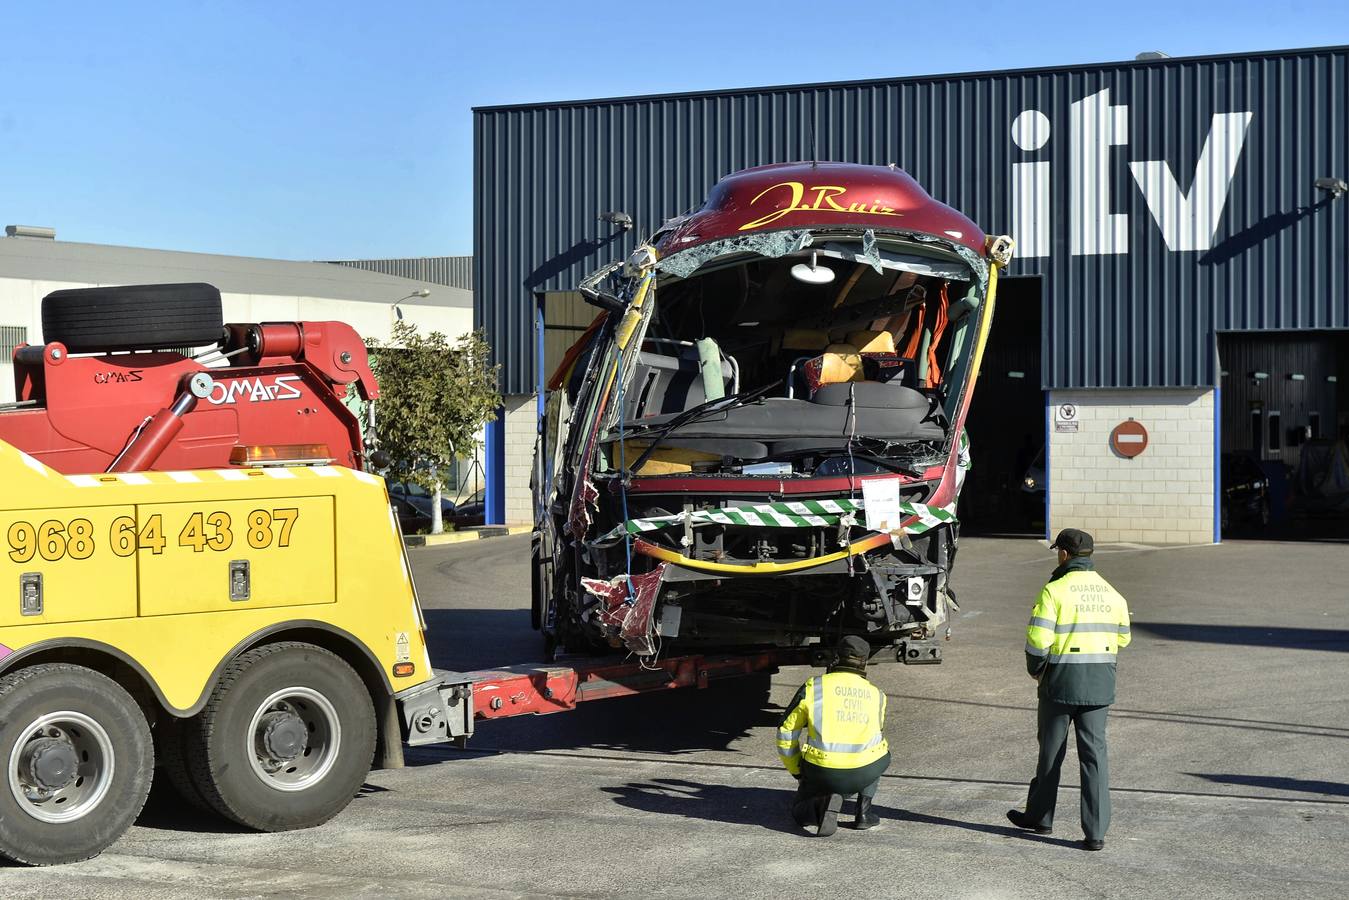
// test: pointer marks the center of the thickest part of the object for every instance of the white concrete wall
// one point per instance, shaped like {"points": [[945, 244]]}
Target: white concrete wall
{"points": [[21, 304], [1163, 496], [521, 433]]}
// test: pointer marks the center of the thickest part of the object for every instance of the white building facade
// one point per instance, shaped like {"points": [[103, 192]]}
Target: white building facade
{"points": [[252, 290]]}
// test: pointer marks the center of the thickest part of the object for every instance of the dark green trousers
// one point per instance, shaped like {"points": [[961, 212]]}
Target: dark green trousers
{"points": [[816, 784], [1089, 724]]}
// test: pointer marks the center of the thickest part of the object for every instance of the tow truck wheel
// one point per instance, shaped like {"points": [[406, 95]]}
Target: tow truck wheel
{"points": [[286, 739], [78, 761]]}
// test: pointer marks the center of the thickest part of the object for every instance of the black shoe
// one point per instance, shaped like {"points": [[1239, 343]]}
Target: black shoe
{"points": [[1018, 818], [829, 816], [808, 813], [865, 817], [1089, 844]]}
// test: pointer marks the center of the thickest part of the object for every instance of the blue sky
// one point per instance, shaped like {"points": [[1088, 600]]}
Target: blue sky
{"points": [[310, 130]]}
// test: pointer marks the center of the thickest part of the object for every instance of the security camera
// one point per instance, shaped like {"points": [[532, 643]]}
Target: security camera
{"points": [[1336, 186], [621, 219]]}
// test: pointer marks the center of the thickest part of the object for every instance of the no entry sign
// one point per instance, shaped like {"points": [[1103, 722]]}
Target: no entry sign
{"points": [[1129, 438]]}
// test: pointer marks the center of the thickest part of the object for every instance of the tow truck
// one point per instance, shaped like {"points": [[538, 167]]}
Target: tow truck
{"points": [[220, 596]]}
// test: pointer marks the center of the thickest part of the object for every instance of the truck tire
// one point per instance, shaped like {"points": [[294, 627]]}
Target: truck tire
{"points": [[537, 586], [171, 736], [286, 740], [78, 760], [133, 317]]}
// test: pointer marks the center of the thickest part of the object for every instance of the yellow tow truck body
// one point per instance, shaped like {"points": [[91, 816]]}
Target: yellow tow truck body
{"points": [[252, 634], [173, 573]]}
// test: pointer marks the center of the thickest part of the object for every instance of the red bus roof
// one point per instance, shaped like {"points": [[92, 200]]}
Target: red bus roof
{"points": [[819, 195]]}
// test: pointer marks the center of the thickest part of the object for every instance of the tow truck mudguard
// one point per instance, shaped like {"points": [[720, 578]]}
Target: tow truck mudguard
{"points": [[437, 711]]}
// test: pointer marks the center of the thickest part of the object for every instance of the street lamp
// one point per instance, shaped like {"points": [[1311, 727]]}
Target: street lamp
{"points": [[397, 310]]}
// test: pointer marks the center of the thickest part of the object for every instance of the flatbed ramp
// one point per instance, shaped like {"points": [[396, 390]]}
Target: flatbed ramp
{"points": [[539, 689]]}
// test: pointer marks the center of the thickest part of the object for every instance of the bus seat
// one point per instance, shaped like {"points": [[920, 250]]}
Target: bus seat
{"points": [[872, 341]]}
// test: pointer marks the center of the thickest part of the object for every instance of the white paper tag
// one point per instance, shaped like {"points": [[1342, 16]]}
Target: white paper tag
{"points": [[881, 499]]}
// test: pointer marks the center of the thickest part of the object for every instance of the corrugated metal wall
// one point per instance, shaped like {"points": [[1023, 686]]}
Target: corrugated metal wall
{"points": [[1124, 177], [452, 271]]}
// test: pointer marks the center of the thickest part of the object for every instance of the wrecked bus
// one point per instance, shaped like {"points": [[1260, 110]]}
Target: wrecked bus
{"points": [[759, 441]]}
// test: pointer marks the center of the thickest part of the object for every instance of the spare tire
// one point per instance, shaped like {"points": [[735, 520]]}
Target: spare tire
{"points": [[133, 317]]}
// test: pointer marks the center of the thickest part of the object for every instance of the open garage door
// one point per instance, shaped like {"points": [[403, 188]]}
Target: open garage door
{"points": [[1005, 492], [1285, 421]]}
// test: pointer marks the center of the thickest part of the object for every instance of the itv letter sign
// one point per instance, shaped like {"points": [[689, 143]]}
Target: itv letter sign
{"points": [[1187, 219]]}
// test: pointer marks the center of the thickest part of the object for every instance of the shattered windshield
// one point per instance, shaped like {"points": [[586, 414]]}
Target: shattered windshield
{"points": [[842, 351]]}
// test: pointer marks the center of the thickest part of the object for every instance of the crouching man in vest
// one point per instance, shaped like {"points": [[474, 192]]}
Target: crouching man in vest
{"points": [[832, 741]]}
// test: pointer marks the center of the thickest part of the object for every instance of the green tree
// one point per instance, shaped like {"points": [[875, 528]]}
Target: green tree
{"points": [[435, 396]]}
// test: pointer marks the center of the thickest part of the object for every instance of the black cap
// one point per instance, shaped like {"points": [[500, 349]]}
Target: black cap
{"points": [[1075, 541], [853, 651]]}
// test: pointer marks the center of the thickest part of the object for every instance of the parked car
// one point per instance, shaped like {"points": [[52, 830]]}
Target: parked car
{"points": [[1033, 485], [412, 504], [1245, 491], [471, 511]]}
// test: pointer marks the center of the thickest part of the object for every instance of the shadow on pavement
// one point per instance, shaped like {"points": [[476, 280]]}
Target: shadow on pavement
{"points": [[904, 815], [764, 807], [463, 640], [769, 808], [166, 811], [1278, 783], [677, 723], [1334, 640], [1169, 718]]}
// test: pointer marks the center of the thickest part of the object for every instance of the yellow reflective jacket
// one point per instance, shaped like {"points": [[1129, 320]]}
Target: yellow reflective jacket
{"points": [[836, 721], [1076, 630]]}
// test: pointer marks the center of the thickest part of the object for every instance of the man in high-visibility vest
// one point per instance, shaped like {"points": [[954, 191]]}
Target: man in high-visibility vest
{"points": [[1076, 630], [832, 742]]}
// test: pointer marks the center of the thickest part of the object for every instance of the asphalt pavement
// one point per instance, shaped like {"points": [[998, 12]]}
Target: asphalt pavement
{"points": [[1227, 756]]}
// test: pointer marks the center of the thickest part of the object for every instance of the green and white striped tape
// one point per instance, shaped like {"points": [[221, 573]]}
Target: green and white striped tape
{"points": [[792, 514]]}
